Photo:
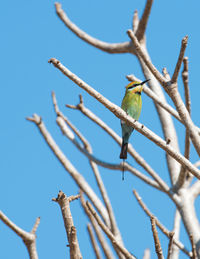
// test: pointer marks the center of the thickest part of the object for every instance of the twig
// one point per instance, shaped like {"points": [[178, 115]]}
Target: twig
{"points": [[144, 20], [79, 179], [161, 227], [194, 252], [180, 59], [156, 239], [107, 47], [29, 238], [61, 119], [64, 202], [93, 241], [109, 234], [176, 231], [135, 21], [106, 249], [183, 172], [170, 246], [127, 119]]}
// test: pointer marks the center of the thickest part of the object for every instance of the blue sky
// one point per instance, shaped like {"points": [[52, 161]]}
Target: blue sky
{"points": [[31, 176]]}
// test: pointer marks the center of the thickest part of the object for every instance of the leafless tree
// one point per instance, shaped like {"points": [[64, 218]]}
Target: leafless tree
{"points": [[182, 191]]}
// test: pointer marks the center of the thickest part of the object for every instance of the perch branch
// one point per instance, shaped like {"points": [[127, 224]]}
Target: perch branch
{"points": [[78, 178], [29, 238], [170, 246], [64, 202], [127, 119]]}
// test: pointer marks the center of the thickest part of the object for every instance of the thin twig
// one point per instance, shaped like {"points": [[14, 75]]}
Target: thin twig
{"points": [[93, 242], [156, 239], [135, 21], [29, 238], [176, 231], [64, 202], [180, 59], [147, 254], [127, 119], [107, 47], [109, 234], [170, 246], [79, 179], [106, 249], [161, 227]]}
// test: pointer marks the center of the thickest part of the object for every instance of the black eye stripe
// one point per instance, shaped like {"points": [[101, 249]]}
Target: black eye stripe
{"points": [[130, 87]]}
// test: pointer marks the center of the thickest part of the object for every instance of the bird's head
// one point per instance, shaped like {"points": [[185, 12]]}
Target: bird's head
{"points": [[135, 86]]}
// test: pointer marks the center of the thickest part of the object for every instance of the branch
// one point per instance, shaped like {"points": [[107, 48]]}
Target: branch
{"points": [[161, 227], [109, 234], [180, 59], [144, 20], [139, 51], [170, 246], [78, 178], [124, 47], [156, 239], [194, 252], [64, 201], [93, 241], [171, 89], [176, 231], [106, 249], [121, 167], [29, 238], [127, 119], [146, 254], [61, 119]]}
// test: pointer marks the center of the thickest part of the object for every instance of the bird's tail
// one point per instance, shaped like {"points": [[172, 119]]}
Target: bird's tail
{"points": [[124, 148]]}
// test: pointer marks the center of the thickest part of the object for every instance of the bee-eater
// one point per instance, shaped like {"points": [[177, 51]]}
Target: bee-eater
{"points": [[131, 104]]}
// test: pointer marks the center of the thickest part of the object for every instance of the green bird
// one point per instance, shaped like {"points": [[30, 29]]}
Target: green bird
{"points": [[132, 105]]}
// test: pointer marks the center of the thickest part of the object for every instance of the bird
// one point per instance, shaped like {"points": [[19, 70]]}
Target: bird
{"points": [[132, 105]]}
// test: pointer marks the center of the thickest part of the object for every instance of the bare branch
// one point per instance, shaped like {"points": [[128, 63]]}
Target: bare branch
{"points": [[194, 252], [109, 234], [104, 46], [161, 227], [141, 53], [180, 59], [61, 119], [29, 238], [135, 21], [79, 179], [64, 201], [156, 239], [106, 249], [146, 254], [127, 119], [166, 74], [144, 20], [171, 237], [120, 167], [176, 231], [93, 241], [186, 86]]}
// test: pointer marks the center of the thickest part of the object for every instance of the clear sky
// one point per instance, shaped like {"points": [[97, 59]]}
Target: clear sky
{"points": [[31, 176]]}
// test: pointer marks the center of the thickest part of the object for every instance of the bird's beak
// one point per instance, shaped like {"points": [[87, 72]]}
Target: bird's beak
{"points": [[145, 81]]}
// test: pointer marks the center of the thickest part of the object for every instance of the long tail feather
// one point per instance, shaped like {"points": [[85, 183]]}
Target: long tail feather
{"points": [[123, 154]]}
